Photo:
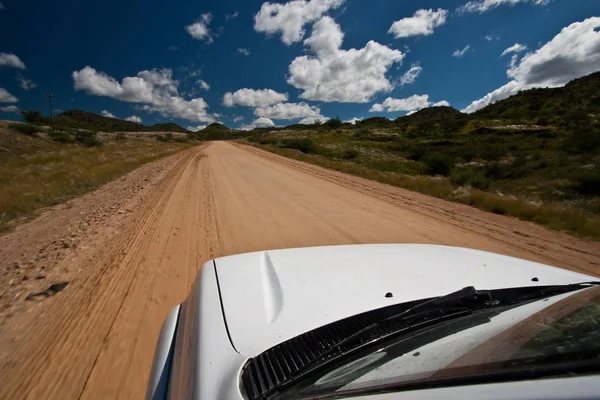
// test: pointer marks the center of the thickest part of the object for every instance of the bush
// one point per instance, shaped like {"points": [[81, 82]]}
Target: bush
{"points": [[583, 141], [589, 183], [471, 177], [24, 128], [88, 139], [34, 117], [350, 154], [493, 153], [268, 140], [333, 122], [120, 136], [305, 145], [438, 164], [417, 153], [61, 137], [161, 138]]}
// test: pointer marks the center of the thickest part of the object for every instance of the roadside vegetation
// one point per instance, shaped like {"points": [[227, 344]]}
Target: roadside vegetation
{"points": [[534, 156], [40, 167]]}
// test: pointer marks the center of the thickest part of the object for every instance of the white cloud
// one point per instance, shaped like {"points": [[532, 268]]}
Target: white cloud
{"points": [[482, 6], [156, 88], [489, 38], [26, 84], [231, 16], [312, 120], [203, 84], [411, 112], [422, 23], [108, 114], [134, 118], [199, 30], [288, 111], [515, 48], [459, 53], [238, 118], [261, 122], [196, 128], [253, 98], [12, 109], [11, 60], [334, 74], [289, 18], [6, 97], [574, 52], [441, 103], [414, 102], [411, 75], [243, 51], [353, 121]]}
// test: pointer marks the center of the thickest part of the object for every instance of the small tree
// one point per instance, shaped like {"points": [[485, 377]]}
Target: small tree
{"points": [[333, 122], [33, 117]]}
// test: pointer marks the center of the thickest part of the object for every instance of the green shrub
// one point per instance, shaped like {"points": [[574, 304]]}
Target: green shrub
{"points": [[120, 136], [589, 183], [61, 137], [493, 152], [34, 117], [305, 145], [88, 139], [268, 140], [417, 153], [27, 129], [438, 164], [350, 154], [161, 138], [471, 177], [586, 140]]}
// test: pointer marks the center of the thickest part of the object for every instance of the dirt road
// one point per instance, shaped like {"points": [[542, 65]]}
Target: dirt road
{"points": [[131, 250]]}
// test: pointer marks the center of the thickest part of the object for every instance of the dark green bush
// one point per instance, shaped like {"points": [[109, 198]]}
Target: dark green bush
{"points": [[88, 139], [588, 183], [161, 138], [471, 177], [27, 129], [586, 140], [305, 145], [61, 137], [268, 140], [417, 153], [438, 164], [493, 152], [120, 136], [34, 117], [350, 154]]}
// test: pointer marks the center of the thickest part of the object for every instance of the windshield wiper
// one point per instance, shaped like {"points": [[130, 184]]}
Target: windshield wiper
{"points": [[297, 359]]}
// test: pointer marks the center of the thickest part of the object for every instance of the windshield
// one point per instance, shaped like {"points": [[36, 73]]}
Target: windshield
{"points": [[560, 331]]}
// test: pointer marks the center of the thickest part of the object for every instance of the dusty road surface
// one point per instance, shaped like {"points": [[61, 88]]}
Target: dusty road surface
{"points": [[130, 251]]}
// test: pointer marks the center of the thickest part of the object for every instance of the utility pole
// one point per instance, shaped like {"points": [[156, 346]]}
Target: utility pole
{"points": [[50, 102]]}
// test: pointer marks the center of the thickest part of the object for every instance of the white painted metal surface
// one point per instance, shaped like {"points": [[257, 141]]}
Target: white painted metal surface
{"points": [[270, 297]]}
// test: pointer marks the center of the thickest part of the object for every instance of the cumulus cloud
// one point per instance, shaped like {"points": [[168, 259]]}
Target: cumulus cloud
{"points": [[199, 30], [441, 103], [482, 6], [333, 74], [156, 88], [353, 121], [243, 51], [134, 118], [288, 111], [12, 109], [571, 54], [231, 16], [261, 122], [108, 114], [411, 75], [414, 102], [25, 83], [289, 18], [515, 48], [422, 23], [253, 98], [6, 97], [11, 60], [312, 120], [196, 128], [459, 53], [238, 118], [203, 84]]}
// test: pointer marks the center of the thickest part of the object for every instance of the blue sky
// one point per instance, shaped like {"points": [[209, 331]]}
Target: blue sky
{"points": [[150, 58]]}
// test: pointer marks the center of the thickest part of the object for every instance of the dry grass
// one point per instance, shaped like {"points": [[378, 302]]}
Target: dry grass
{"points": [[572, 220], [55, 173]]}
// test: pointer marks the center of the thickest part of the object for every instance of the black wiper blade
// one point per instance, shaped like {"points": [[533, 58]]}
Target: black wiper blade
{"points": [[556, 289]]}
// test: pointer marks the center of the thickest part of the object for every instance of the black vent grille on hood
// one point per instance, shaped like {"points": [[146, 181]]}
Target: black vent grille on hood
{"points": [[289, 361]]}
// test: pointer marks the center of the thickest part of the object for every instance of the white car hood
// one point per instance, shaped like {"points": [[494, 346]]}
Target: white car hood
{"points": [[269, 297]]}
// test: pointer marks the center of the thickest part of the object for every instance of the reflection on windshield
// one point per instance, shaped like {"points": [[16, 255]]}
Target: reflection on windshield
{"points": [[561, 328]]}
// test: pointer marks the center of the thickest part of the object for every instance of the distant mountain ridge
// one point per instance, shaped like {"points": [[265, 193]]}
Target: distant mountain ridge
{"points": [[92, 121]]}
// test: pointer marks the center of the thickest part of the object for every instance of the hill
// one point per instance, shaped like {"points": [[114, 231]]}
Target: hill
{"points": [[578, 97], [216, 127], [88, 120]]}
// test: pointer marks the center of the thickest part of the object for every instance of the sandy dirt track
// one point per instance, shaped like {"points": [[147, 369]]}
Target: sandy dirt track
{"points": [[134, 247]]}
